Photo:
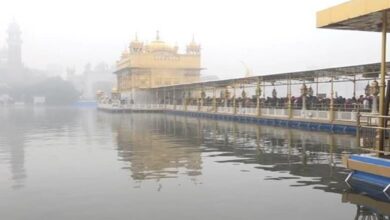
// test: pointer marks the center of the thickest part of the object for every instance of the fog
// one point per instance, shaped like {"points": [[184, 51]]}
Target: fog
{"points": [[269, 36], [80, 41]]}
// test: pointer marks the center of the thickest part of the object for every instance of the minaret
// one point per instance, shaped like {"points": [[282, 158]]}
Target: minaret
{"points": [[136, 46], [14, 45], [193, 48]]}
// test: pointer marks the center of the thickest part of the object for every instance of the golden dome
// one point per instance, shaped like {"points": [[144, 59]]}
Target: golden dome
{"points": [[159, 45]]}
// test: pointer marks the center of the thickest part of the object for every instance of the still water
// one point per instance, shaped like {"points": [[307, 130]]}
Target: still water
{"points": [[64, 163]]}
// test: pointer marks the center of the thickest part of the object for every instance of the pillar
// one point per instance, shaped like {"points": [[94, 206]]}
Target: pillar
{"points": [[164, 99], [382, 83], [214, 100], [289, 107], [331, 107], [303, 94], [258, 94], [186, 100], [234, 99], [174, 99]]}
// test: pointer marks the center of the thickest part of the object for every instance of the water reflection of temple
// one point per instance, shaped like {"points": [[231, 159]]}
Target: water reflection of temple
{"points": [[153, 151]]}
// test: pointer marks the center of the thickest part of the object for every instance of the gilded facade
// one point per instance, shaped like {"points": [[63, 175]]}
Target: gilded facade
{"points": [[156, 64]]}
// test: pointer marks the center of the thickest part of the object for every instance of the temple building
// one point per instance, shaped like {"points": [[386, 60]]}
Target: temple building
{"points": [[156, 64]]}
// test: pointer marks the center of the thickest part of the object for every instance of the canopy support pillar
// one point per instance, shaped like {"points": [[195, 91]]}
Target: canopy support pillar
{"points": [[382, 84]]}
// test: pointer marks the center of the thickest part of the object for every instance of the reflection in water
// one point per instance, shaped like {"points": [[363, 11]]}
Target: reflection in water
{"points": [[154, 152], [17, 127], [77, 164], [159, 146], [366, 207]]}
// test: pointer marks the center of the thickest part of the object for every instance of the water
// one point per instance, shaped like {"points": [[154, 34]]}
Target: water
{"points": [[67, 163]]}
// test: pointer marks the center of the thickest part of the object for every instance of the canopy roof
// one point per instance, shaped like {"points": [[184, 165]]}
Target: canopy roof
{"points": [[369, 71], [359, 15]]}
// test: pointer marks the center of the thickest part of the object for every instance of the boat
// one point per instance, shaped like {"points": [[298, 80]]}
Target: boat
{"points": [[370, 174]]}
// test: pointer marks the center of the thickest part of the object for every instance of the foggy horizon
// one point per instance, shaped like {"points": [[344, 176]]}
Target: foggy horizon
{"points": [[271, 39]]}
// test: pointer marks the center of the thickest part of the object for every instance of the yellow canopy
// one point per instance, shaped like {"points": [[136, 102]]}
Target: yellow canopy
{"points": [[361, 15]]}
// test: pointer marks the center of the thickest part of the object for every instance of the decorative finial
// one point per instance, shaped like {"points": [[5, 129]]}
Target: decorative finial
{"points": [[157, 35]]}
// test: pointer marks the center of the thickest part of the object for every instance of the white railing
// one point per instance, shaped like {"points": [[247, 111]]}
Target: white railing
{"points": [[192, 108], [296, 113], [346, 116]]}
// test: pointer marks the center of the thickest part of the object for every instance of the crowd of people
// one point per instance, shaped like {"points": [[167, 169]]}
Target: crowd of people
{"points": [[364, 103]]}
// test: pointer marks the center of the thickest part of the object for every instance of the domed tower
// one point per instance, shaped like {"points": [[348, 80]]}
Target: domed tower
{"points": [[193, 48], [14, 45], [136, 46], [158, 45]]}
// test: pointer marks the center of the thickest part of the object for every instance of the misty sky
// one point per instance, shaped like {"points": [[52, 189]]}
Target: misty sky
{"points": [[269, 36]]}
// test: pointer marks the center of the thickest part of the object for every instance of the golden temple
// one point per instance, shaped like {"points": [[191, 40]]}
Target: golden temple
{"points": [[143, 65]]}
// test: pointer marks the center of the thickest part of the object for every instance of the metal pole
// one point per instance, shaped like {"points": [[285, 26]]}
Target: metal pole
{"points": [[382, 84]]}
